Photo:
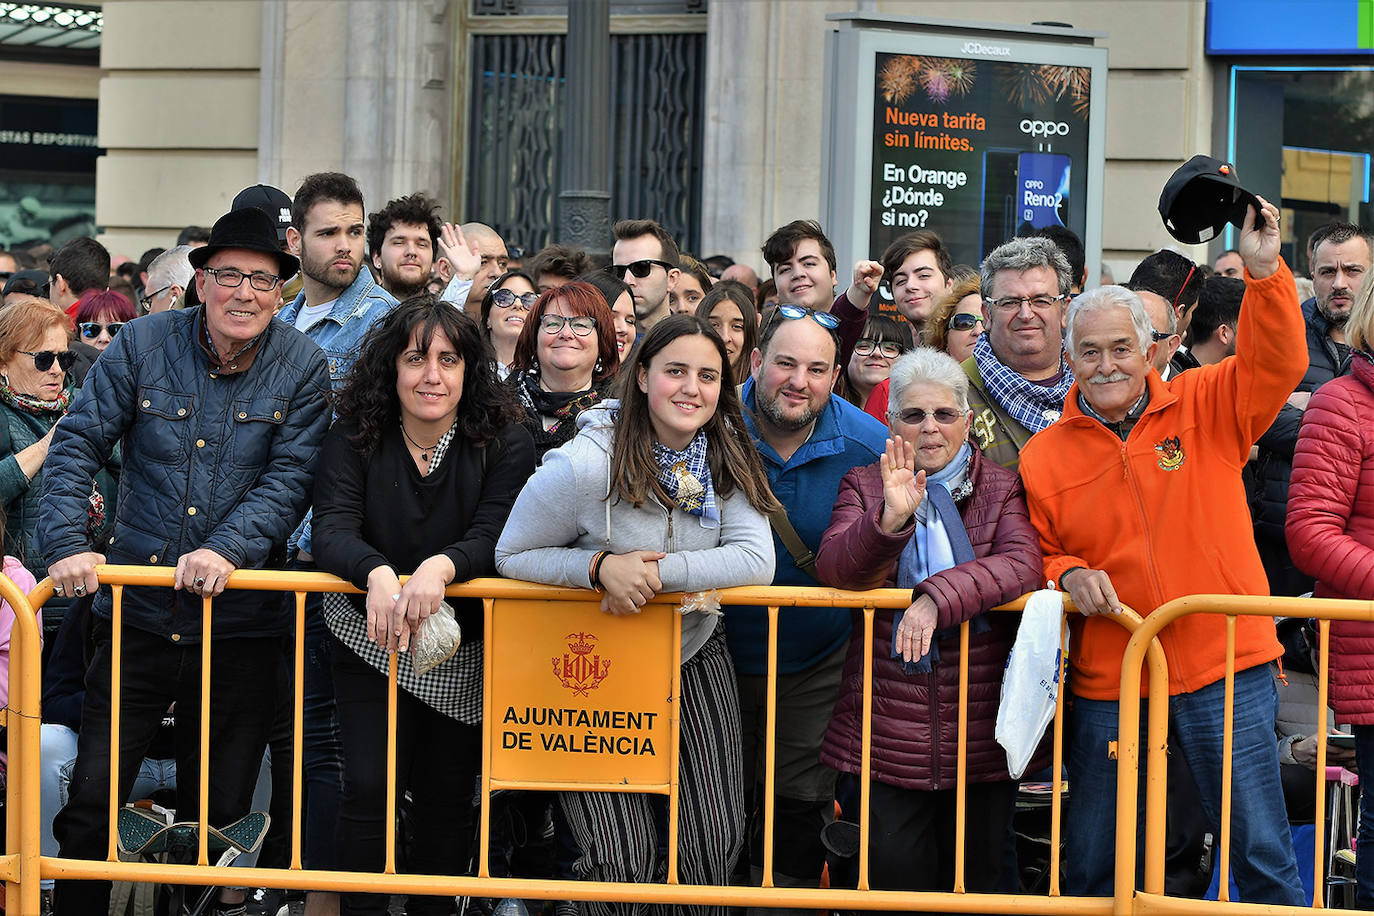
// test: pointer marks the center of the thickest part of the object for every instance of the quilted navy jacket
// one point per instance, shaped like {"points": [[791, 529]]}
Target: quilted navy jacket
{"points": [[915, 717], [210, 460]]}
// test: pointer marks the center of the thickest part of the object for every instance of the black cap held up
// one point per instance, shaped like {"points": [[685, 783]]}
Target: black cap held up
{"points": [[272, 201], [1201, 197], [248, 229]]}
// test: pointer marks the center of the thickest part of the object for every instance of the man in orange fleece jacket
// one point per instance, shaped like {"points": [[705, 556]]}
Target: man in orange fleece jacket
{"points": [[1137, 495]]}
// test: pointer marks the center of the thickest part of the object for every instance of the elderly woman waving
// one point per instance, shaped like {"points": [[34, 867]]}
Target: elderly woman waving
{"points": [[934, 516]]}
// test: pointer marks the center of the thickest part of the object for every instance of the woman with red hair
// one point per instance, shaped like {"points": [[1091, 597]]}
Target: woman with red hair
{"points": [[100, 315]]}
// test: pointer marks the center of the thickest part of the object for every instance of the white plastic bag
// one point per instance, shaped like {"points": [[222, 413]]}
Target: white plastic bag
{"points": [[1030, 684], [436, 640]]}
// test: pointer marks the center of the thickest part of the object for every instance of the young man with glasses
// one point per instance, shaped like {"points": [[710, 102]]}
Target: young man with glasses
{"points": [[1017, 373], [645, 258], [219, 412], [809, 438]]}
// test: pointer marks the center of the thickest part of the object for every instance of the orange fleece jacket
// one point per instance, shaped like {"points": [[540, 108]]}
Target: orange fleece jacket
{"points": [[1164, 513]]}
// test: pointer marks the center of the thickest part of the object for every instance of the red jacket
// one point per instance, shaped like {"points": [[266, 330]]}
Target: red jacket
{"points": [[1331, 524], [1164, 513], [915, 717]]}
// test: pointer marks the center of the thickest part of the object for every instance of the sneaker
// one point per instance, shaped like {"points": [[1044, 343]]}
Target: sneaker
{"points": [[265, 901], [230, 909], [45, 903]]}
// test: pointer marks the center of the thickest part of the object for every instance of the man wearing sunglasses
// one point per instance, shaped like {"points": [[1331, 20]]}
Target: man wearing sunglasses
{"points": [[645, 257], [169, 276], [809, 438], [219, 412]]}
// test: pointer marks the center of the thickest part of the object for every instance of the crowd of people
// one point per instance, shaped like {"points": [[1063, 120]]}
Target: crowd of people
{"points": [[388, 395]]}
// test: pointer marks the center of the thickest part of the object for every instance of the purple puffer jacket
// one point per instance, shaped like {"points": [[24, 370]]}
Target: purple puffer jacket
{"points": [[915, 717]]}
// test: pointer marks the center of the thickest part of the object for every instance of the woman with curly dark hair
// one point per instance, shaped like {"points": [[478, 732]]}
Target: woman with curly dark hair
{"points": [[416, 477], [565, 361]]}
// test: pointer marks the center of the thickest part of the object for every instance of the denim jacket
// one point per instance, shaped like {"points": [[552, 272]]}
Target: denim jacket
{"points": [[340, 334], [210, 460]]}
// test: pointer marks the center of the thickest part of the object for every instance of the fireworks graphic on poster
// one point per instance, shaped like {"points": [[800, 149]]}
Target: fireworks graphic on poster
{"points": [[940, 78], [1027, 85]]}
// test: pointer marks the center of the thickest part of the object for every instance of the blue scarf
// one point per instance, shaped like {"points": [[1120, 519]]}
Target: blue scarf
{"points": [[1033, 406], [686, 478], [939, 542]]}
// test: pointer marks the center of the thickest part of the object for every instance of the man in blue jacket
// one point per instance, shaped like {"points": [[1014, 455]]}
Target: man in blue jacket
{"points": [[221, 411], [809, 439]]}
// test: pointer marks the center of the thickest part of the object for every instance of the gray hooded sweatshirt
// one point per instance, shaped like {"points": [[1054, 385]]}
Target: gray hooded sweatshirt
{"points": [[562, 518]]}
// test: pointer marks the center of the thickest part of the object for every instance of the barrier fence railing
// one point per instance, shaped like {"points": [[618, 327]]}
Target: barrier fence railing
{"points": [[1142, 642], [518, 607]]}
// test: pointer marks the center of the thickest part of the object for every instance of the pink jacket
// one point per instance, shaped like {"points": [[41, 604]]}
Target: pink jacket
{"points": [[915, 718], [1331, 524]]}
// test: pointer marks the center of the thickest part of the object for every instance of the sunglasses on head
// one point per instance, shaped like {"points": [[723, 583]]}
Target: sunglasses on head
{"points": [[91, 329], [964, 321], [43, 359], [639, 268], [824, 319]]}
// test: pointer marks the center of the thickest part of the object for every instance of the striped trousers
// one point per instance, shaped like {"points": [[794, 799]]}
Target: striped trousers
{"points": [[619, 834]]}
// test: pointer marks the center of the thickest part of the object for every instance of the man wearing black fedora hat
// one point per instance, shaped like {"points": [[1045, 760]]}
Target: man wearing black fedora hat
{"points": [[220, 410]]}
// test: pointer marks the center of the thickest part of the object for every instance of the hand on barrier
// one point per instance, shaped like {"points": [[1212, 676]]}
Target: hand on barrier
{"points": [[630, 580], [463, 255], [202, 572], [903, 486], [74, 576], [917, 629], [383, 594], [419, 598], [1091, 591]]}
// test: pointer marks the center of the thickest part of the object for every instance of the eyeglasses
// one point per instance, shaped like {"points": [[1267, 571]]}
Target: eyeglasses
{"points": [[232, 278], [915, 416], [639, 268], [43, 359], [581, 325], [964, 321], [1013, 303], [91, 329], [506, 298], [1157, 336], [889, 348], [824, 319], [147, 301]]}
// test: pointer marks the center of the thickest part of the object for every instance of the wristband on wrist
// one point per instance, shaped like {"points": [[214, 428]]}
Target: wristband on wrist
{"points": [[595, 571]]}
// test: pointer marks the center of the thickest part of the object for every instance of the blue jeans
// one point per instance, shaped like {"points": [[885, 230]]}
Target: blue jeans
{"points": [[1262, 859], [59, 756], [1364, 867]]}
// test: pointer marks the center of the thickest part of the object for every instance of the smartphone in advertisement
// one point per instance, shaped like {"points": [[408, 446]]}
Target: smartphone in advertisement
{"points": [[1042, 189], [999, 198]]}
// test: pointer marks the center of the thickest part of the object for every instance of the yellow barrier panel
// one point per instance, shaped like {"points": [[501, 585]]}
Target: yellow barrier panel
{"points": [[24, 868], [1142, 640]]}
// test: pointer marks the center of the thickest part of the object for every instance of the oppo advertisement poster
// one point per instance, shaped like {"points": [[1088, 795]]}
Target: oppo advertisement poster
{"points": [[978, 150]]}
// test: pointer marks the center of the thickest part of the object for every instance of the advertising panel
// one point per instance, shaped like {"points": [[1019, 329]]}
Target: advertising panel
{"points": [[978, 132]]}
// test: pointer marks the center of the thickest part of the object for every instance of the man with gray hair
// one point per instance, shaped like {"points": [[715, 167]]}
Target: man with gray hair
{"points": [[1017, 374], [1136, 493], [169, 274]]}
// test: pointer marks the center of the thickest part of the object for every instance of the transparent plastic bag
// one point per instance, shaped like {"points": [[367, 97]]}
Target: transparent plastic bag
{"points": [[436, 640], [707, 602]]}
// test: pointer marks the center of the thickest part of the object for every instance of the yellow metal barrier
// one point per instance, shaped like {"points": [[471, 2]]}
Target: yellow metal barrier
{"points": [[23, 866], [1142, 640]]}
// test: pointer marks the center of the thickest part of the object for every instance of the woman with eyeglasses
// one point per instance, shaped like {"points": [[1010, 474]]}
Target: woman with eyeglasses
{"points": [[35, 392], [565, 361], [729, 308], [100, 315], [934, 516], [957, 320], [883, 340], [504, 309]]}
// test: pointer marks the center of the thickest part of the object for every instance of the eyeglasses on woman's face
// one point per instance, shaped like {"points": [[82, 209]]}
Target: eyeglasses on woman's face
{"points": [[90, 330], [582, 325], [507, 298], [889, 348], [43, 359]]}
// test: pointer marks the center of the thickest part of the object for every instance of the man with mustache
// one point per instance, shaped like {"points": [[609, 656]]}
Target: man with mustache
{"points": [[1341, 255], [402, 237], [1017, 374], [1136, 493]]}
